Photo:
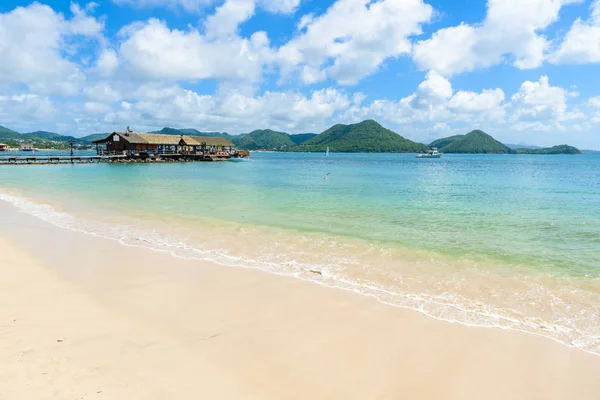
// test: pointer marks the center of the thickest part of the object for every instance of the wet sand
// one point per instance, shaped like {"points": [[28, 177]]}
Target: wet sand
{"points": [[85, 317]]}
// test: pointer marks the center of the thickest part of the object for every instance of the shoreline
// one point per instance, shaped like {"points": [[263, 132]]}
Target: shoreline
{"points": [[266, 335], [424, 304]]}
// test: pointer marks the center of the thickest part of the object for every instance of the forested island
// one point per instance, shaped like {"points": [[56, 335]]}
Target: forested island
{"points": [[479, 142]]}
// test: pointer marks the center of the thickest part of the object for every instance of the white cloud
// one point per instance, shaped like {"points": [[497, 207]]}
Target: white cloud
{"points": [[581, 44], [154, 51], [487, 104], [280, 6], [107, 62], [82, 23], [510, 32], [353, 38], [103, 92], [26, 109], [186, 5], [435, 101], [224, 22], [540, 102], [594, 105], [33, 50], [155, 105], [196, 6]]}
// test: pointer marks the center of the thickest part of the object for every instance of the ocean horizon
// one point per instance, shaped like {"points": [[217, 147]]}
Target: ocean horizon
{"points": [[507, 241]]}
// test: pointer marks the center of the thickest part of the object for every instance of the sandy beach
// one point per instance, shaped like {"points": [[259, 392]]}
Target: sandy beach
{"points": [[83, 317]]}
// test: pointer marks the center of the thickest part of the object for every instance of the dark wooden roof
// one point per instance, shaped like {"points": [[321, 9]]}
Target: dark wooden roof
{"points": [[169, 140], [210, 141]]}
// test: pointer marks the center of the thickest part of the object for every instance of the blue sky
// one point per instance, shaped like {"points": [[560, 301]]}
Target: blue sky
{"points": [[523, 70]]}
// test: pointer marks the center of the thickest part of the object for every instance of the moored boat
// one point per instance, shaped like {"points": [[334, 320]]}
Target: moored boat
{"points": [[433, 153]]}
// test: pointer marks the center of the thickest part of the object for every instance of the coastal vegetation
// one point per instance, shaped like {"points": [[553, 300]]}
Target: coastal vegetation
{"points": [[560, 149], [479, 142], [264, 139]]}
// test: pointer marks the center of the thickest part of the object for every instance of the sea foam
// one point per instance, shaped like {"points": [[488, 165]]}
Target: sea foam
{"points": [[442, 305]]}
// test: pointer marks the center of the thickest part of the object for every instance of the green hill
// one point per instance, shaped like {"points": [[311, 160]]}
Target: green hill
{"points": [[6, 133], [300, 138], [94, 136], [367, 136], [443, 142], [474, 142], [479, 142], [560, 149], [263, 139]]}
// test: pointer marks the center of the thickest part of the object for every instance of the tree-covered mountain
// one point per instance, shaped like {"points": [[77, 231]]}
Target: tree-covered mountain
{"points": [[443, 142], [261, 139], [94, 137], [366, 137], [300, 138], [479, 142], [6, 133], [560, 149], [474, 142], [39, 139], [264, 139]]}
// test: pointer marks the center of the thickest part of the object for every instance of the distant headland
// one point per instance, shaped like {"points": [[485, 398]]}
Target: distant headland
{"points": [[365, 137]]}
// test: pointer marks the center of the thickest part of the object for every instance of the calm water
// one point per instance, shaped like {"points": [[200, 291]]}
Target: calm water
{"points": [[490, 240]]}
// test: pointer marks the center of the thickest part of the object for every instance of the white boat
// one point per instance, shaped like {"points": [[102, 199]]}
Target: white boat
{"points": [[327, 152], [239, 158], [433, 153]]}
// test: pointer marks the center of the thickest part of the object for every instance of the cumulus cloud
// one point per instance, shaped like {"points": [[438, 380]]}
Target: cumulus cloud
{"points": [[186, 5], [594, 105], [107, 63], [153, 50], [581, 44], [154, 105], [26, 109], [196, 6], [280, 6], [510, 32], [33, 48], [352, 39], [224, 22], [539, 102], [435, 101]]}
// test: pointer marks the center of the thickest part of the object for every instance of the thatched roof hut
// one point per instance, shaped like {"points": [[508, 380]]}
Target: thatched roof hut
{"points": [[134, 141]]}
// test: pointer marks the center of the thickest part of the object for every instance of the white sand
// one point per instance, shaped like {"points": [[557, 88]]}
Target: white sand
{"points": [[137, 324]]}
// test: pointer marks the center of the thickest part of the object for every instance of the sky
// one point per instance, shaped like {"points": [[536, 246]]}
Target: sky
{"points": [[525, 71]]}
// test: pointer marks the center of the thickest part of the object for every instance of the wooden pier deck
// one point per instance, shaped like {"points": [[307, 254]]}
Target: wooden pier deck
{"points": [[52, 159], [107, 158]]}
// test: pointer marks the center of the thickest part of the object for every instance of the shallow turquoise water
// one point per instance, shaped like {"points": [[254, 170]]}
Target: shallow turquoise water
{"points": [[541, 211], [511, 215]]}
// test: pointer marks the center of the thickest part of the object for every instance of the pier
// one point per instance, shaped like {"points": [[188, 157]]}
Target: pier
{"points": [[53, 159], [130, 147], [110, 158]]}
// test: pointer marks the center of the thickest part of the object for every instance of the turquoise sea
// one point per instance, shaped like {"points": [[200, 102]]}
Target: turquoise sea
{"points": [[489, 240]]}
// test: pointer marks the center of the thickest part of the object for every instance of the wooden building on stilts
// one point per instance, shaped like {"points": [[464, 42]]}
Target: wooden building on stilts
{"points": [[154, 145]]}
